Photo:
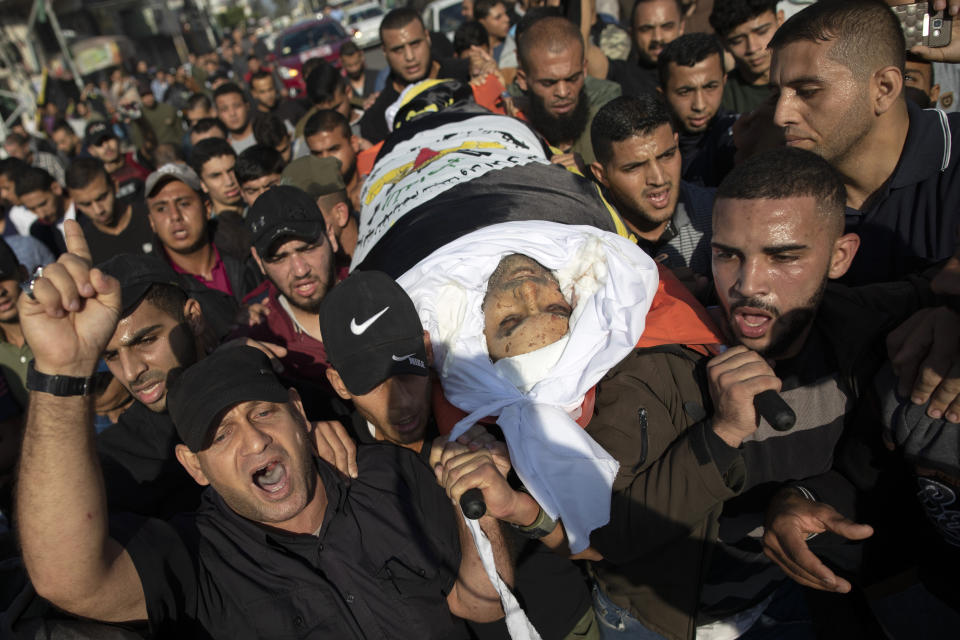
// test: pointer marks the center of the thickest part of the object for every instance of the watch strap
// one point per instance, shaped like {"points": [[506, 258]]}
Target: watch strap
{"points": [[57, 385], [542, 526]]}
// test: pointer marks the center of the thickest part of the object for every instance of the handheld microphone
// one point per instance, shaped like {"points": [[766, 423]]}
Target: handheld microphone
{"points": [[774, 410]]}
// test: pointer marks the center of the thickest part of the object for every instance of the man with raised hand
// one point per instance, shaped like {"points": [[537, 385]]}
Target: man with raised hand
{"points": [[386, 557]]}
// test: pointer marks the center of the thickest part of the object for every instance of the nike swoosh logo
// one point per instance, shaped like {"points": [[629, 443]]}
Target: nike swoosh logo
{"points": [[358, 329], [402, 358]]}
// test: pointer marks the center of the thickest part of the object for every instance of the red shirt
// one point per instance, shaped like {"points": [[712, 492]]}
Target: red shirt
{"points": [[306, 358], [219, 281]]}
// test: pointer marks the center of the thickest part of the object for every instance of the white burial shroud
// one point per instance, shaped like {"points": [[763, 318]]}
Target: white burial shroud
{"points": [[611, 283]]}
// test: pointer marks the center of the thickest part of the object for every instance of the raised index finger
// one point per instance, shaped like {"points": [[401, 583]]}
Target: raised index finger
{"points": [[76, 242]]}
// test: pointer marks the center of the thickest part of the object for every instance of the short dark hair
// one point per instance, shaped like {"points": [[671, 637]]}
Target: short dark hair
{"points": [[260, 75], [727, 15], [686, 51], [269, 129], [168, 298], [83, 171], [786, 172], [349, 48], [326, 120], [61, 125], [228, 88], [866, 33], [470, 34], [196, 100], [309, 66], [624, 117], [33, 179], [398, 19], [205, 124], [208, 149], [17, 139], [482, 8], [13, 168], [323, 82], [257, 161], [547, 34], [637, 3]]}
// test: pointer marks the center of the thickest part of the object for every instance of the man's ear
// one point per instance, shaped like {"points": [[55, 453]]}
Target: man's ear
{"points": [[599, 173], [193, 315], [844, 249], [189, 460], [341, 214], [780, 18], [56, 189], [355, 144], [332, 237], [521, 79], [934, 95], [337, 383], [886, 87], [294, 398], [256, 258], [428, 346]]}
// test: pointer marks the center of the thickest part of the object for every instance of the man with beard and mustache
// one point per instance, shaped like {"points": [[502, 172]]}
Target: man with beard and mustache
{"points": [[551, 75], [295, 250], [639, 163], [699, 468]]}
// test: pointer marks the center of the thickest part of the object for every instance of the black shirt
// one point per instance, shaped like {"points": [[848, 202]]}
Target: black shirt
{"points": [[634, 77], [141, 473], [550, 588], [708, 156], [912, 221], [136, 238], [386, 556], [373, 124]]}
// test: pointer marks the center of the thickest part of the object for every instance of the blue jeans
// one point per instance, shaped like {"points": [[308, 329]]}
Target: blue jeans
{"points": [[785, 618], [616, 623]]}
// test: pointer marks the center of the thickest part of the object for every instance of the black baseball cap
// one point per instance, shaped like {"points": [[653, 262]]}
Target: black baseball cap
{"points": [[371, 331], [96, 132], [205, 390], [284, 212], [136, 274], [9, 263]]}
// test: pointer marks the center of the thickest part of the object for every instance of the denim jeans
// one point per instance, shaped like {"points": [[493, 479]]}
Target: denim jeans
{"points": [[785, 618], [616, 623]]}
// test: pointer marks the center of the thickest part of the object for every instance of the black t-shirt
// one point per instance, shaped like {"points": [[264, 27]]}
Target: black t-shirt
{"points": [[550, 588], [386, 556], [141, 473], [634, 78], [136, 238]]}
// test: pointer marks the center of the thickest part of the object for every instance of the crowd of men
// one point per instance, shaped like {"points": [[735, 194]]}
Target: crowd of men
{"points": [[257, 346]]}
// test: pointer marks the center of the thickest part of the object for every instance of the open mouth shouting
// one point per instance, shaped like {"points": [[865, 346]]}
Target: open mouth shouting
{"points": [[752, 322], [659, 198], [272, 480]]}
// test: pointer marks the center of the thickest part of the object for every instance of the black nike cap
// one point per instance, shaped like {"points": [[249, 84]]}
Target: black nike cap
{"points": [[371, 331]]}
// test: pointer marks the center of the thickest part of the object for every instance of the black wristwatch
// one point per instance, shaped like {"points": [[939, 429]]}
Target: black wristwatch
{"points": [[58, 385]]}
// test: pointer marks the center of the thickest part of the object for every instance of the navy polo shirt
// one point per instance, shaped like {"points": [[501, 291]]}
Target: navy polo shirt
{"points": [[911, 222], [381, 566]]}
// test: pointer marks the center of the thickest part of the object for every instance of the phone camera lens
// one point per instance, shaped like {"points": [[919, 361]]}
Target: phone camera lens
{"points": [[937, 23]]}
